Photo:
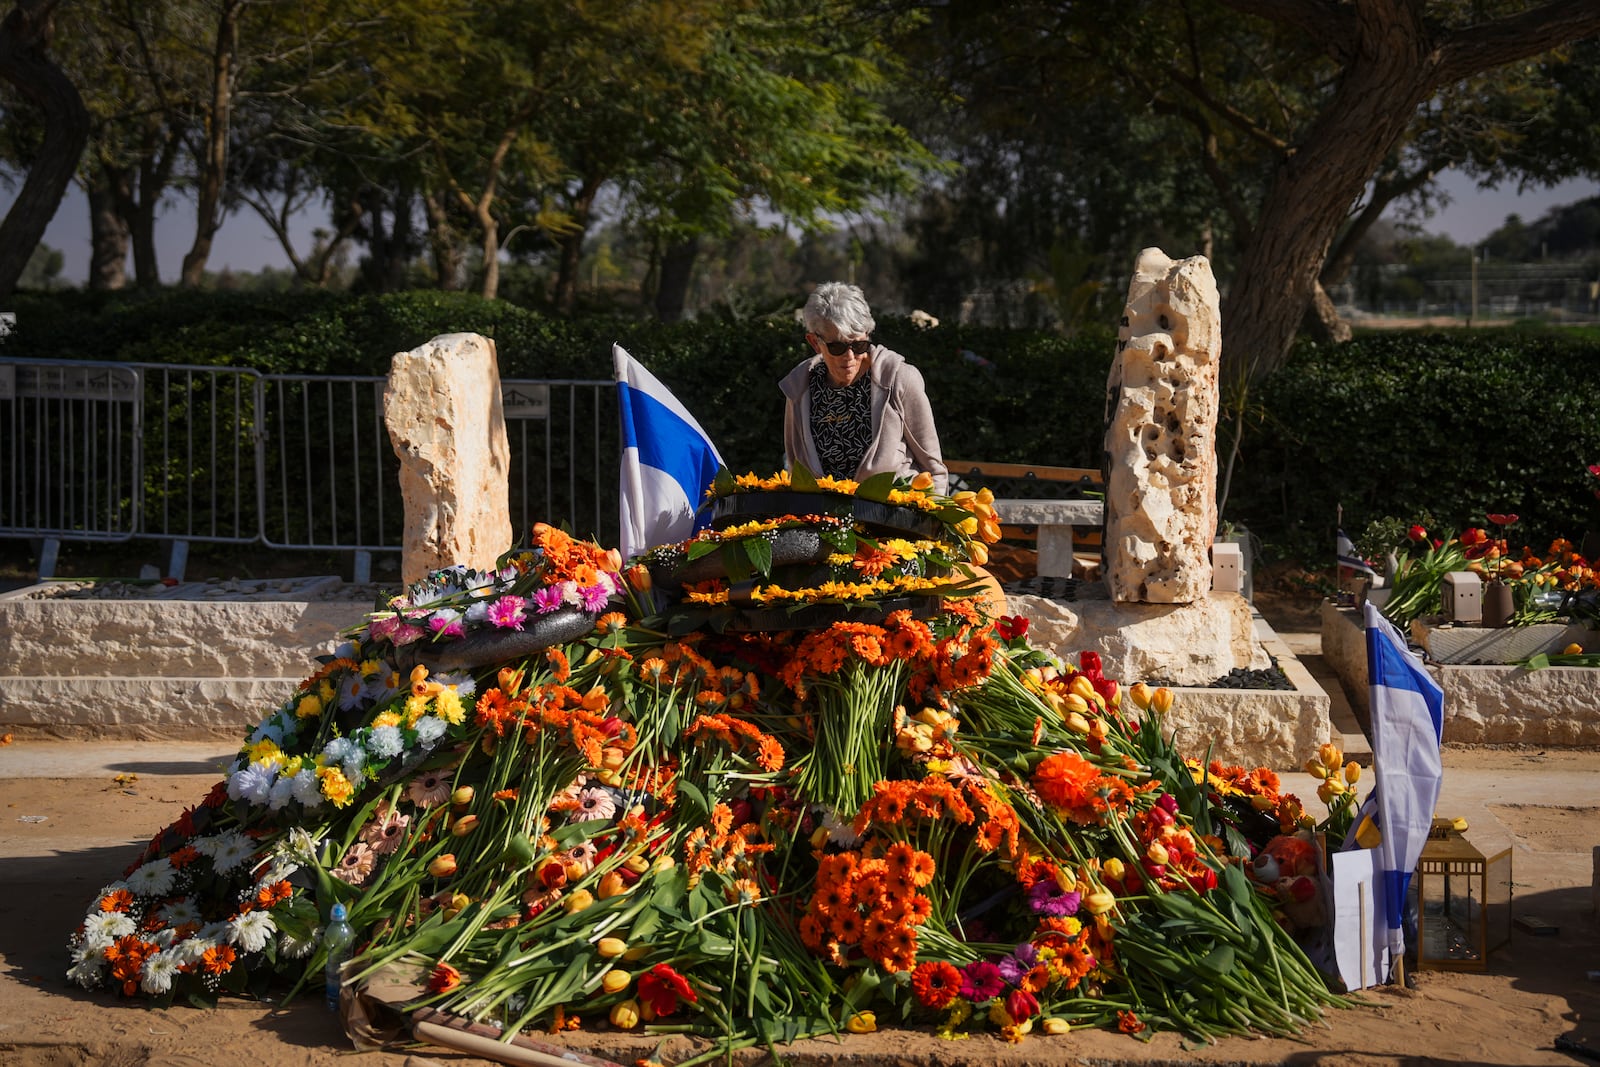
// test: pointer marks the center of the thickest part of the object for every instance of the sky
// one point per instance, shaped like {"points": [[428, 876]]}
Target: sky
{"points": [[245, 243]]}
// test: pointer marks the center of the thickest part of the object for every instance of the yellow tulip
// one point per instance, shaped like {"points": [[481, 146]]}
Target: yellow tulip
{"points": [[636, 863], [1352, 772], [1161, 701], [1331, 757], [1315, 769], [1055, 1026], [1114, 868], [1157, 853], [978, 552], [462, 796], [615, 981], [464, 825], [456, 903], [636, 953], [1573, 649], [612, 885], [611, 947], [1099, 902], [922, 482], [985, 495], [625, 1014], [1140, 694], [964, 496], [1077, 723], [968, 525], [578, 901], [443, 866], [862, 1022], [1082, 687]]}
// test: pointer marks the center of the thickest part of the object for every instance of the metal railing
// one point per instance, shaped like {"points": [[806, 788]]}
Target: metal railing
{"points": [[114, 451]]}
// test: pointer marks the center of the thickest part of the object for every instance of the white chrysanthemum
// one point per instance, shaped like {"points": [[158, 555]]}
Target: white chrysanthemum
{"points": [[429, 729], [230, 850], [298, 845], [180, 912], [164, 938], [386, 742], [478, 613], [91, 950], [571, 593], [307, 790], [839, 830], [154, 879], [461, 680], [283, 865], [192, 949], [282, 793], [355, 765], [337, 750], [271, 729], [218, 933], [159, 969], [108, 926], [253, 930], [86, 972], [292, 948]]}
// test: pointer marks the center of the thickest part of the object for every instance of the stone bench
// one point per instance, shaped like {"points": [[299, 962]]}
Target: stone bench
{"points": [[1054, 500]]}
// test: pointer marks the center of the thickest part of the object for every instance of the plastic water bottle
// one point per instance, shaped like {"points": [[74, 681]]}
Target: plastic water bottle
{"points": [[337, 939]]}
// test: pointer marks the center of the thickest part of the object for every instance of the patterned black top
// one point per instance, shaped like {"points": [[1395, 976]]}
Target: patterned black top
{"points": [[841, 421]]}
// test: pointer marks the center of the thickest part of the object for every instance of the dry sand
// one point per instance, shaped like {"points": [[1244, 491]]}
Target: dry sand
{"points": [[1536, 991]]}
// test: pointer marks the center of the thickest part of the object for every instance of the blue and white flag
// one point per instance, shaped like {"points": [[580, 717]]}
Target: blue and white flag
{"points": [[668, 462], [1345, 551], [1407, 724]]}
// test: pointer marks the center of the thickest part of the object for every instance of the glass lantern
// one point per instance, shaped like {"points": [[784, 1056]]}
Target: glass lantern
{"points": [[1463, 903]]}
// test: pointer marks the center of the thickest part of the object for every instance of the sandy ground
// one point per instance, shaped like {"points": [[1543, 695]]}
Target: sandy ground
{"points": [[1543, 805]]}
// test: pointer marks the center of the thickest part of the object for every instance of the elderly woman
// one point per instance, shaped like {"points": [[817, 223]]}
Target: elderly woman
{"points": [[855, 408]]}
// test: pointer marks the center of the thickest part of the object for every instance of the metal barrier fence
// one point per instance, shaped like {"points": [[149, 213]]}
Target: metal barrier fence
{"points": [[113, 451]]}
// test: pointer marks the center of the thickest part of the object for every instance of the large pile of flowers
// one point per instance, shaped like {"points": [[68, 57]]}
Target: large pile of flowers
{"points": [[896, 811]]}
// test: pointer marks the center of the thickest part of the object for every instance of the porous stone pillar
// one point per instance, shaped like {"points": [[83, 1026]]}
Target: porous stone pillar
{"points": [[1161, 485], [442, 405]]}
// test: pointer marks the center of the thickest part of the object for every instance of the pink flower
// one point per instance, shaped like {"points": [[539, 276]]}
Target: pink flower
{"points": [[406, 633], [594, 597], [382, 629], [547, 599], [981, 981], [508, 612]]}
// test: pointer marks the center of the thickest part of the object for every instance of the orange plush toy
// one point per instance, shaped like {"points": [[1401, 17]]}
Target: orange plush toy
{"points": [[1288, 869]]}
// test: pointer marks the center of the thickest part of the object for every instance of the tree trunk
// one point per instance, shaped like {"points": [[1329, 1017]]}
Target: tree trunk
{"points": [[108, 231], [401, 236], [1393, 61], [1323, 321], [677, 266], [24, 36], [214, 156], [572, 246], [491, 254], [444, 241]]}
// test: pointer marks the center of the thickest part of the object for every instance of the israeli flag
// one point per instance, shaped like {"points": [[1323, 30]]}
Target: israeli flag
{"points": [[1407, 724], [668, 462]]}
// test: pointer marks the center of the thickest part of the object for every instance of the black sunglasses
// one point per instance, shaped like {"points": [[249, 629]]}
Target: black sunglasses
{"points": [[839, 348]]}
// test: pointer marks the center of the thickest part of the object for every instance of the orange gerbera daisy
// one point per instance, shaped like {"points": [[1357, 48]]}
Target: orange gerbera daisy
{"points": [[116, 900], [1066, 780], [846, 927], [218, 959], [936, 984]]}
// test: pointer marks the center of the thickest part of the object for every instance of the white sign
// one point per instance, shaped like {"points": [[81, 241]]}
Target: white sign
{"points": [[8, 322], [523, 400], [1360, 931]]}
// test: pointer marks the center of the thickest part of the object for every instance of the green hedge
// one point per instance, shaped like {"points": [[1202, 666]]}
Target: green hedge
{"points": [[1457, 424]]}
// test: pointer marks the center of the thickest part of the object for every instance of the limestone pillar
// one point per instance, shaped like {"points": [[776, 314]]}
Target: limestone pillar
{"points": [[442, 406], [1161, 484]]}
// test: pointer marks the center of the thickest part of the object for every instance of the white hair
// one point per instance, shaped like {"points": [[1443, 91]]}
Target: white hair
{"points": [[841, 304]]}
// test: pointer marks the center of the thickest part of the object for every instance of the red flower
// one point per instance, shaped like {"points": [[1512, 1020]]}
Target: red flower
{"points": [[1021, 1004], [1594, 469], [1128, 1022], [661, 987], [1089, 663], [1417, 533], [1502, 520], [1011, 626], [443, 979], [936, 983]]}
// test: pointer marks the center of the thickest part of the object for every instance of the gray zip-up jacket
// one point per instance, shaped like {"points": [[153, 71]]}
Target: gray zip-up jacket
{"points": [[903, 436]]}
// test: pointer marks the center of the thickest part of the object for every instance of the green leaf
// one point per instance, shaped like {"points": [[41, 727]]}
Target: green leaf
{"points": [[702, 548], [691, 792], [877, 487], [723, 484], [759, 551], [1218, 962], [801, 479]]}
